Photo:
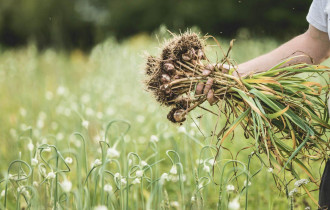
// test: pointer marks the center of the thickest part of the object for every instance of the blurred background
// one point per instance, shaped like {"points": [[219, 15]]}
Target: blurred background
{"points": [[71, 66], [83, 23]]}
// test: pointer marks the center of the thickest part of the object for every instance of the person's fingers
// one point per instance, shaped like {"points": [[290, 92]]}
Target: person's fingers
{"points": [[208, 85], [199, 88], [210, 97]]}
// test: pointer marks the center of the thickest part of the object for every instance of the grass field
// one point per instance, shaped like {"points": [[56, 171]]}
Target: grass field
{"points": [[84, 121]]}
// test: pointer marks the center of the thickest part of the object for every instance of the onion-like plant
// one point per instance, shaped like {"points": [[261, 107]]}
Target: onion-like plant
{"points": [[281, 108]]}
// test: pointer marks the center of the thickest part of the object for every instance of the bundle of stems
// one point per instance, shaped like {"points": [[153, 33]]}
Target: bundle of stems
{"points": [[281, 108]]}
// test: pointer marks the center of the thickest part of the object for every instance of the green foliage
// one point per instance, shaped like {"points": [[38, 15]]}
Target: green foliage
{"points": [[82, 23], [67, 100]]}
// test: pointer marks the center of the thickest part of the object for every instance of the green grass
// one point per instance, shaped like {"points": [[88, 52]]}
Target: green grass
{"points": [[84, 104]]}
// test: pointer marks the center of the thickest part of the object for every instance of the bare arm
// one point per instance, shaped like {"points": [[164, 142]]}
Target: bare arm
{"points": [[313, 43]]}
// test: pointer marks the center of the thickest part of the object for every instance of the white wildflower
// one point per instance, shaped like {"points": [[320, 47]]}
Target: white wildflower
{"points": [[112, 153], [139, 173], [301, 182], [51, 175], [174, 170], [21, 189], [143, 163], [164, 177], [100, 208], [34, 161], [206, 169], [54, 125], [270, 170], [154, 139], [174, 178], [60, 136], [107, 188], [192, 132], [136, 181], [22, 111], [117, 176], [68, 160], [66, 185], [174, 204], [60, 90], [89, 111], [96, 162], [230, 187], [193, 198], [110, 111], [292, 192], [85, 98], [234, 204], [199, 161], [123, 181], [49, 95], [2, 193], [40, 123], [249, 184], [182, 129], [85, 124], [211, 162], [140, 118], [194, 124], [97, 138], [99, 115], [30, 146]]}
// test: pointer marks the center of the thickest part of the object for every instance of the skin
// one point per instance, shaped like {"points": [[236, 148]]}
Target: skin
{"points": [[313, 43]]}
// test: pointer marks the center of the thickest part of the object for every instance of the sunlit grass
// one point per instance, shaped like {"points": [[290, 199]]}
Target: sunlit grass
{"points": [[86, 123]]}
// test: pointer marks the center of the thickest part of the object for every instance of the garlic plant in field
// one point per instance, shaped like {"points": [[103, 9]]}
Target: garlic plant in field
{"points": [[281, 108]]}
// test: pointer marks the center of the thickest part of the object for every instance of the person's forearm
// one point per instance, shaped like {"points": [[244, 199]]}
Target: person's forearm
{"points": [[311, 44]]}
